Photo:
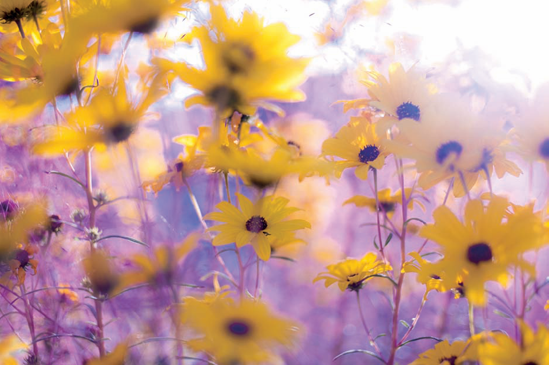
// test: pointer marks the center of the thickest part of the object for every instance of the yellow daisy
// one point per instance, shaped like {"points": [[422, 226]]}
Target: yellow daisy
{"points": [[484, 246], [353, 273], [244, 333], [358, 145], [504, 351], [103, 279], [9, 345], [254, 223], [246, 64], [15, 11], [445, 353], [428, 274], [387, 201]]}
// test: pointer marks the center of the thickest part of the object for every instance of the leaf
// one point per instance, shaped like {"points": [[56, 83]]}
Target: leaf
{"points": [[375, 243], [502, 314], [124, 238], [283, 258], [379, 336], [415, 219], [67, 176], [225, 250], [389, 238], [359, 352], [420, 338], [404, 323]]}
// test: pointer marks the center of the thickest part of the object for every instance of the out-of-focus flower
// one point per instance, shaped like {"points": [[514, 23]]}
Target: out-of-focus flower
{"points": [[219, 292], [102, 277], [116, 357], [244, 333], [14, 11], [254, 223], [8, 346], [353, 273], [16, 231], [534, 348], [446, 353], [358, 145], [387, 201], [22, 259], [109, 119], [161, 268], [67, 293], [428, 274], [546, 307], [246, 64], [484, 247]]}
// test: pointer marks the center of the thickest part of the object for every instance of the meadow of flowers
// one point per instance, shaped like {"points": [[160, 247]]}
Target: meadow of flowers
{"points": [[180, 184]]}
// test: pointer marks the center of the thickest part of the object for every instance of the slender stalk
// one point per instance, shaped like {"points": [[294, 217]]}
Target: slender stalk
{"points": [[257, 277], [414, 322], [448, 191], [368, 333], [20, 26], [122, 59], [489, 180], [96, 68], [471, 319], [30, 319], [177, 323], [378, 208], [35, 18], [464, 183]]}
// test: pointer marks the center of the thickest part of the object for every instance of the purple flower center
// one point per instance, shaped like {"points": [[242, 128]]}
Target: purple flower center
{"points": [[256, 224], [408, 110], [479, 252], [239, 328], [368, 154], [447, 149]]}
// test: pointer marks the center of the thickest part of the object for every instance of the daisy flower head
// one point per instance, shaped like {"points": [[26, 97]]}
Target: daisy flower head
{"points": [[387, 201], [446, 353], [243, 333], [254, 223], [428, 274], [14, 11], [352, 273], [246, 64], [357, 145], [485, 245], [502, 350]]}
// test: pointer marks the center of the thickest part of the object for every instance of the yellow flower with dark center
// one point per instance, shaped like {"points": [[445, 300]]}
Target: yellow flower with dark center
{"points": [[428, 274], [109, 119], [254, 223], [246, 64], [15, 229], [244, 333], [14, 11], [387, 202], [22, 259], [502, 350], [161, 268], [9, 345], [352, 273], [485, 245], [452, 143], [102, 277], [444, 353], [358, 145]]}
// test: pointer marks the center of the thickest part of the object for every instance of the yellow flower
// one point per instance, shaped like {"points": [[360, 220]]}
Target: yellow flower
{"points": [[484, 247], [429, 274], [8, 346], [117, 357], [22, 259], [244, 333], [358, 145], [219, 292], [103, 280], [504, 351], [387, 201], [67, 293], [254, 223], [546, 307], [109, 119], [246, 64], [14, 11], [532, 130], [445, 353], [353, 273], [160, 269], [15, 231]]}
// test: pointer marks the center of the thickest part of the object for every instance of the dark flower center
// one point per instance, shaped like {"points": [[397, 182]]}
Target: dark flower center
{"points": [[224, 97], [179, 166], [368, 154], [487, 158], [447, 149], [386, 207], [120, 132], [23, 257], [530, 363], [55, 223], [146, 26], [408, 110], [7, 209], [71, 87], [256, 224], [544, 148], [479, 252], [238, 328], [451, 360], [435, 276]]}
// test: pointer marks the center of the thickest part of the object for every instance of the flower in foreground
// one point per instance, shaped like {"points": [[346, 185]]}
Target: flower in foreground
{"points": [[244, 333], [358, 145], [446, 353], [254, 223], [428, 274], [246, 64], [116, 357], [484, 246], [353, 273]]}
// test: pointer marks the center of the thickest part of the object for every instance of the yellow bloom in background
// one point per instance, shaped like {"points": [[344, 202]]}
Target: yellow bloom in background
{"points": [[484, 246], [502, 350], [16, 231], [116, 357], [428, 274], [353, 273], [22, 259], [244, 333], [246, 64], [67, 293], [254, 223], [358, 145], [103, 278], [8, 346], [387, 201], [161, 268], [446, 353]]}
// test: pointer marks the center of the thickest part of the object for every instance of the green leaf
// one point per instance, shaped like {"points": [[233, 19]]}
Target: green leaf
{"points": [[389, 238], [67, 176], [420, 338], [359, 352], [415, 219], [404, 323], [381, 276], [502, 314], [283, 258], [379, 336], [124, 238], [375, 243]]}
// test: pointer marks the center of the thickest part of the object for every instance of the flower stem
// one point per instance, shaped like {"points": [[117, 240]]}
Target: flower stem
{"points": [[20, 26], [471, 319], [378, 209], [368, 333], [414, 322], [177, 323], [30, 319]]}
